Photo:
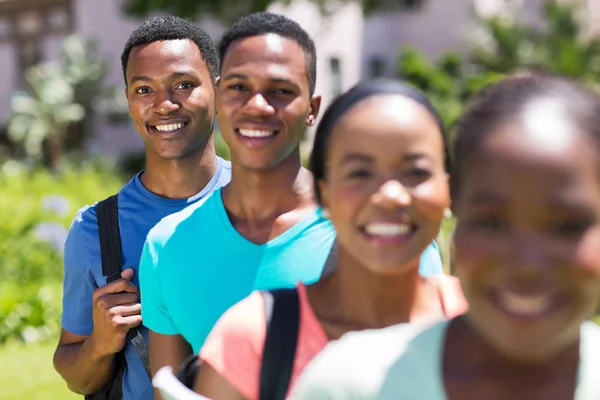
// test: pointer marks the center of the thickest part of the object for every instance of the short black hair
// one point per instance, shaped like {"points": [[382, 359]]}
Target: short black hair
{"points": [[506, 100], [173, 28], [263, 23], [345, 103]]}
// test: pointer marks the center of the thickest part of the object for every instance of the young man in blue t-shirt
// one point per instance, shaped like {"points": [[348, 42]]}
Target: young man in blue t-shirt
{"points": [[261, 231], [170, 66]]}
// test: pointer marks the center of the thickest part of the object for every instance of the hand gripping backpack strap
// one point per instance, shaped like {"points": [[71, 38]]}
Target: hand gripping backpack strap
{"points": [[112, 261], [282, 309]]}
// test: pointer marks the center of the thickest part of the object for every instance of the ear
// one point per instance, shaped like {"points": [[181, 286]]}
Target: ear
{"points": [[449, 182], [313, 110], [324, 192]]}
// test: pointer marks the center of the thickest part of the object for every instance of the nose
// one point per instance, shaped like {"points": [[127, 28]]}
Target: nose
{"points": [[392, 194], [258, 105], [527, 254], [164, 103]]}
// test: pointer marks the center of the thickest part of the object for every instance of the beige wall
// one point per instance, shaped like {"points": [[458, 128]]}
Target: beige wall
{"points": [[9, 75], [434, 27]]}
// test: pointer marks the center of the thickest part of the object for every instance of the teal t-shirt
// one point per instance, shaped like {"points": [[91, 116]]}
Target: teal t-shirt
{"points": [[195, 265]]}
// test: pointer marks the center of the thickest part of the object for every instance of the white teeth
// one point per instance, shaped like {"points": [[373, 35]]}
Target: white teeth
{"points": [[526, 305], [255, 133], [387, 229], [169, 127]]}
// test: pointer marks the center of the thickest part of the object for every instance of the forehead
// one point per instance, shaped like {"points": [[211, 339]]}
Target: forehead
{"points": [[165, 57], [525, 159], [266, 56], [387, 125]]}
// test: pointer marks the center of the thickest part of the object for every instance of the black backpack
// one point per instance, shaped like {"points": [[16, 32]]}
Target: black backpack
{"points": [[110, 251], [282, 311]]}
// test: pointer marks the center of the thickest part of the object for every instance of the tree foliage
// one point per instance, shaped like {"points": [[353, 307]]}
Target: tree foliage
{"points": [[61, 94], [502, 45]]}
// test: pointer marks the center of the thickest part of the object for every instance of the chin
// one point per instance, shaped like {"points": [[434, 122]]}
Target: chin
{"points": [[525, 347], [389, 268], [527, 351]]}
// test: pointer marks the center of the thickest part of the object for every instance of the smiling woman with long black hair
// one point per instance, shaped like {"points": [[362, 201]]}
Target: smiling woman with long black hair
{"points": [[379, 162]]}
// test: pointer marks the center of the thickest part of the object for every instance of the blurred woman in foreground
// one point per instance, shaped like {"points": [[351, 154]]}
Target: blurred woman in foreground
{"points": [[526, 190]]}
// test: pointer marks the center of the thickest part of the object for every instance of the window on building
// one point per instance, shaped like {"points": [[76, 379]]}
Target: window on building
{"points": [[336, 76], [27, 23]]}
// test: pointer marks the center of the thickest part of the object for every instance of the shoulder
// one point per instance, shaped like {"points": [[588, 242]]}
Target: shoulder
{"points": [[235, 343], [225, 164], [178, 223], [372, 342], [354, 365], [243, 322], [590, 333], [451, 293], [84, 217], [83, 233]]}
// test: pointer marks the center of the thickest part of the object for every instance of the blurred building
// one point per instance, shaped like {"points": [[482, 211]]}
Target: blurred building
{"points": [[349, 46]]}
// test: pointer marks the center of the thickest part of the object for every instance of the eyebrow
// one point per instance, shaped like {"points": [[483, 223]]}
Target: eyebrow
{"points": [[174, 75], [486, 198], [356, 157], [273, 80]]}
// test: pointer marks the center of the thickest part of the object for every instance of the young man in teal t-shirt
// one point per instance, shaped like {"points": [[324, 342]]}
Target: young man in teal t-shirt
{"points": [[261, 231]]}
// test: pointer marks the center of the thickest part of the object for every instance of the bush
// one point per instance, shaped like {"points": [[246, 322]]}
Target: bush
{"points": [[37, 208]]}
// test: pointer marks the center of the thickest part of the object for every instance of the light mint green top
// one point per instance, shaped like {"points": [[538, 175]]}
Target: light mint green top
{"points": [[404, 362]]}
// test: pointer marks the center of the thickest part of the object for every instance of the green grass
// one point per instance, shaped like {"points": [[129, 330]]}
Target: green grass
{"points": [[26, 372]]}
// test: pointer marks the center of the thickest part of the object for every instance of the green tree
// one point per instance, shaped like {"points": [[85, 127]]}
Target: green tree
{"points": [[62, 94], [502, 45], [230, 10]]}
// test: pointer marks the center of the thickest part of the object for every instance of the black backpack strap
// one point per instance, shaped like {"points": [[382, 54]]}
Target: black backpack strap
{"points": [[110, 238], [139, 344], [110, 250], [331, 261], [188, 370], [282, 309]]}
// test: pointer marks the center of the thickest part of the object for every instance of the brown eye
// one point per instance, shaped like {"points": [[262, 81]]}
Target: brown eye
{"points": [[488, 224], [420, 172], [237, 87], [185, 85], [359, 174], [570, 228]]}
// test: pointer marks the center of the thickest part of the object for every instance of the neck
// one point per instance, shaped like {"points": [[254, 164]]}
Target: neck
{"points": [[267, 194], [180, 178], [356, 298], [484, 360]]}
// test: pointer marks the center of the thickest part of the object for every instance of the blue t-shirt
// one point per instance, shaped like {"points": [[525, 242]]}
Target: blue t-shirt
{"points": [[139, 210], [195, 265]]}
